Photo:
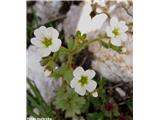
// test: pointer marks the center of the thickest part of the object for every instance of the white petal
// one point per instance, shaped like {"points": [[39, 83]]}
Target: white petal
{"points": [[123, 37], [91, 86], [114, 21], [78, 72], [40, 32], [95, 94], [44, 52], [73, 82], [55, 45], [116, 41], [98, 21], [80, 90], [123, 27], [90, 73], [36, 42], [52, 32], [109, 32]]}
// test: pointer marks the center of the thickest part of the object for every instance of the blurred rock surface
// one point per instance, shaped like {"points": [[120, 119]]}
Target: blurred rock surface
{"points": [[112, 65]]}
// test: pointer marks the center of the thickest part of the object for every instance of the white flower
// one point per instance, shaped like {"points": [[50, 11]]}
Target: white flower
{"points": [[82, 81], [116, 31], [47, 40]]}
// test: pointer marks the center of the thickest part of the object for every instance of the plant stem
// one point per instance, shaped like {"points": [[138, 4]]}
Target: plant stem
{"points": [[86, 43], [69, 62]]}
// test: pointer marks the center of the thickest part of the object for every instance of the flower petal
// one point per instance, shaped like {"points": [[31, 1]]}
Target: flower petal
{"points": [[73, 83], [123, 37], [40, 32], [123, 27], [109, 32], [44, 52], [91, 86], [78, 72], [116, 41], [98, 21], [55, 45], [114, 21], [80, 90], [90, 73], [51, 32], [36, 42]]}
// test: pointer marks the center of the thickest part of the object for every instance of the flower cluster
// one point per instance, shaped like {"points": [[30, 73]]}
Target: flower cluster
{"points": [[46, 40]]}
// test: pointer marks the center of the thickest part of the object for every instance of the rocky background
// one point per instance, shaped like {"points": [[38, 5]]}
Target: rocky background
{"points": [[66, 16]]}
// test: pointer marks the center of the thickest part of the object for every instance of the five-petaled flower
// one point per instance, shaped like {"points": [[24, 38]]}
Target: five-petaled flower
{"points": [[47, 40], [116, 31], [82, 81]]}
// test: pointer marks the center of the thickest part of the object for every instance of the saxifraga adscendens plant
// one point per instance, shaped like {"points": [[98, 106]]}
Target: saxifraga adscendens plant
{"points": [[58, 62]]}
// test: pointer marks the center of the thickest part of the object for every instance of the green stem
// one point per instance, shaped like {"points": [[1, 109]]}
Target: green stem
{"points": [[69, 62], [87, 43]]}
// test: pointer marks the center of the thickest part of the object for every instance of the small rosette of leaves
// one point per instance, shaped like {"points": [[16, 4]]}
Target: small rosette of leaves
{"points": [[68, 101]]}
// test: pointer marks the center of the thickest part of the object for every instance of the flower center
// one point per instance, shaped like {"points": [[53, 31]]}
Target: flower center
{"points": [[116, 31], [83, 81], [47, 41]]}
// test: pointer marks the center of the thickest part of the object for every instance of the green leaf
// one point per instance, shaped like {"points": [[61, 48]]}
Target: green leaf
{"points": [[59, 72], [104, 44], [68, 101], [116, 48], [130, 104], [96, 116], [38, 102], [70, 43], [85, 107], [35, 91], [110, 45], [84, 36], [44, 61], [109, 114], [62, 51], [68, 75], [30, 112], [115, 110], [78, 34], [50, 64], [63, 71], [116, 113], [80, 38]]}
